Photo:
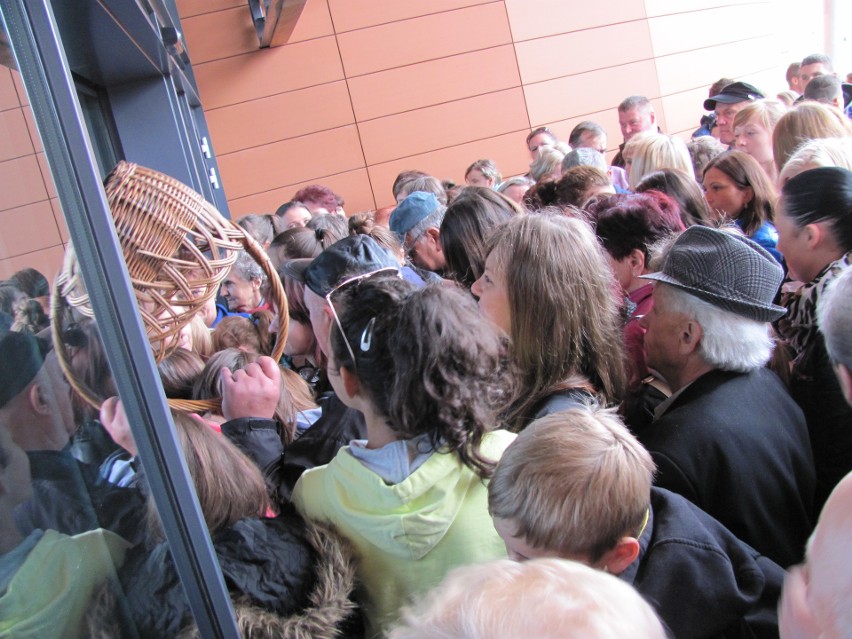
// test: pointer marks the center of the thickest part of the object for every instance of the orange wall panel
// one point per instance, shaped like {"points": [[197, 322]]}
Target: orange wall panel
{"points": [[28, 228], [433, 82], [701, 29], [568, 54], [450, 124], [353, 185], [349, 15], [8, 93], [589, 92], [221, 34], [508, 151], [47, 260], [14, 135], [187, 8], [306, 158], [537, 18], [268, 71], [21, 183], [279, 117], [425, 38]]}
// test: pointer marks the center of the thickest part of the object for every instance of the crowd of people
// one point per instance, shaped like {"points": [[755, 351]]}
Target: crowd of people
{"points": [[491, 395]]}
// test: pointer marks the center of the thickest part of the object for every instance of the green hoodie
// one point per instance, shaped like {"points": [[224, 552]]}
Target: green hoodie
{"points": [[408, 535]]}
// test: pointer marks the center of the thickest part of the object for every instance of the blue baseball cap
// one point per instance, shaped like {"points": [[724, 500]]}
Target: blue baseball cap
{"points": [[411, 211]]}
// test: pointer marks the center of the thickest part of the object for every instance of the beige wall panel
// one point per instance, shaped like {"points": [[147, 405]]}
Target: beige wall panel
{"points": [[683, 111], [434, 82], [665, 7], [27, 228], [349, 15], [701, 29], [425, 38], [690, 70], [14, 135], [268, 72], [507, 151], [21, 183], [537, 18], [589, 92], [187, 8], [305, 158], [445, 125], [48, 261], [354, 186], [581, 51], [279, 117]]}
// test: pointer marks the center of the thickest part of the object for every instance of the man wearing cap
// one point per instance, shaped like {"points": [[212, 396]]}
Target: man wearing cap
{"points": [[728, 103], [341, 265], [730, 438], [417, 224], [35, 407]]}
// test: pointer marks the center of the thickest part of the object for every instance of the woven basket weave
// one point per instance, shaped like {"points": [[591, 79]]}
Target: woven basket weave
{"points": [[178, 249]]}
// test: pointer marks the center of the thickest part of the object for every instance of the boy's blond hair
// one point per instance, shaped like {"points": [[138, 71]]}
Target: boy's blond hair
{"points": [[574, 483], [540, 599]]}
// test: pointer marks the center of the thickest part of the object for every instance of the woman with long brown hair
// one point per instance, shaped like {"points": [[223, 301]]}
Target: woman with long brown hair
{"points": [[547, 284]]}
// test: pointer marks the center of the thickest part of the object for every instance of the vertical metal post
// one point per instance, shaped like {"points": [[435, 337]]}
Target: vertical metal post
{"points": [[40, 55]]}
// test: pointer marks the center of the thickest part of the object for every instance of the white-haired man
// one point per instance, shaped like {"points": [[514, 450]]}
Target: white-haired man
{"points": [[835, 324], [730, 438]]}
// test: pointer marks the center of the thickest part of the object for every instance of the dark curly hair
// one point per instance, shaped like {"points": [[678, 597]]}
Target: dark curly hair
{"points": [[425, 359]]}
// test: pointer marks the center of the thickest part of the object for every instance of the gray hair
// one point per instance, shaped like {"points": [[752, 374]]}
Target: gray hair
{"points": [[548, 159], [433, 220], [834, 314], [634, 102], [585, 156], [247, 268], [818, 153], [518, 180], [729, 342]]}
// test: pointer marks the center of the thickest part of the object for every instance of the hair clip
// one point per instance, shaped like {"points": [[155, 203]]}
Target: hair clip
{"points": [[367, 336]]}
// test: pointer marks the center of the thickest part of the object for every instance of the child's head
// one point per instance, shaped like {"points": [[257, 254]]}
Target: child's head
{"points": [[541, 599], [422, 359], [573, 485]]}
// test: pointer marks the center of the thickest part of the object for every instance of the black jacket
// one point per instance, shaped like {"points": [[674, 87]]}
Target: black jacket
{"points": [[72, 498], [736, 445], [259, 439], [286, 578], [701, 579]]}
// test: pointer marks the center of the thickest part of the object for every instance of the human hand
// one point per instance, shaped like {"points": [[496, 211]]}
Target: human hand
{"points": [[114, 419], [253, 391]]}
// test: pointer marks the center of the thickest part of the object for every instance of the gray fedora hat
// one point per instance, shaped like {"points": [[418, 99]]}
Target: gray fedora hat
{"points": [[726, 270]]}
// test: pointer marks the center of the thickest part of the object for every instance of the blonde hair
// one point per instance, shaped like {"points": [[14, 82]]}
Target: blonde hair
{"points": [[565, 327], [818, 153], [654, 152], [804, 122], [537, 599], [764, 112], [573, 483]]}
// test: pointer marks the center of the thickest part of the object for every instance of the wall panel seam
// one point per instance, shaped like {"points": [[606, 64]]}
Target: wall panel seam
{"points": [[425, 15]]}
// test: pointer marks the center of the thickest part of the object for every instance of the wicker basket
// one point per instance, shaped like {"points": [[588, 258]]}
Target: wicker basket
{"points": [[178, 249]]}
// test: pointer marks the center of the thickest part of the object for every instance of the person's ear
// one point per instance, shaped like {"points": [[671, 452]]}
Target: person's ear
{"points": [[636, 259], [749, 195], [351, 383], [689, 333], [435, 237], [38, 399], [844, 376], [814, 235], [617, 560]]}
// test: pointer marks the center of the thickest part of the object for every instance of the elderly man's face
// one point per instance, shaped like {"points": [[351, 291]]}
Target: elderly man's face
{"points": [[242, 295], [635, 121], [662, 342], [725, 114]]}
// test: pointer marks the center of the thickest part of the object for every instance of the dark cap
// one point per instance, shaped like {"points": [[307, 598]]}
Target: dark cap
{"points": [[21, 358], [351, 256], [733, 93], [726, 270]]}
